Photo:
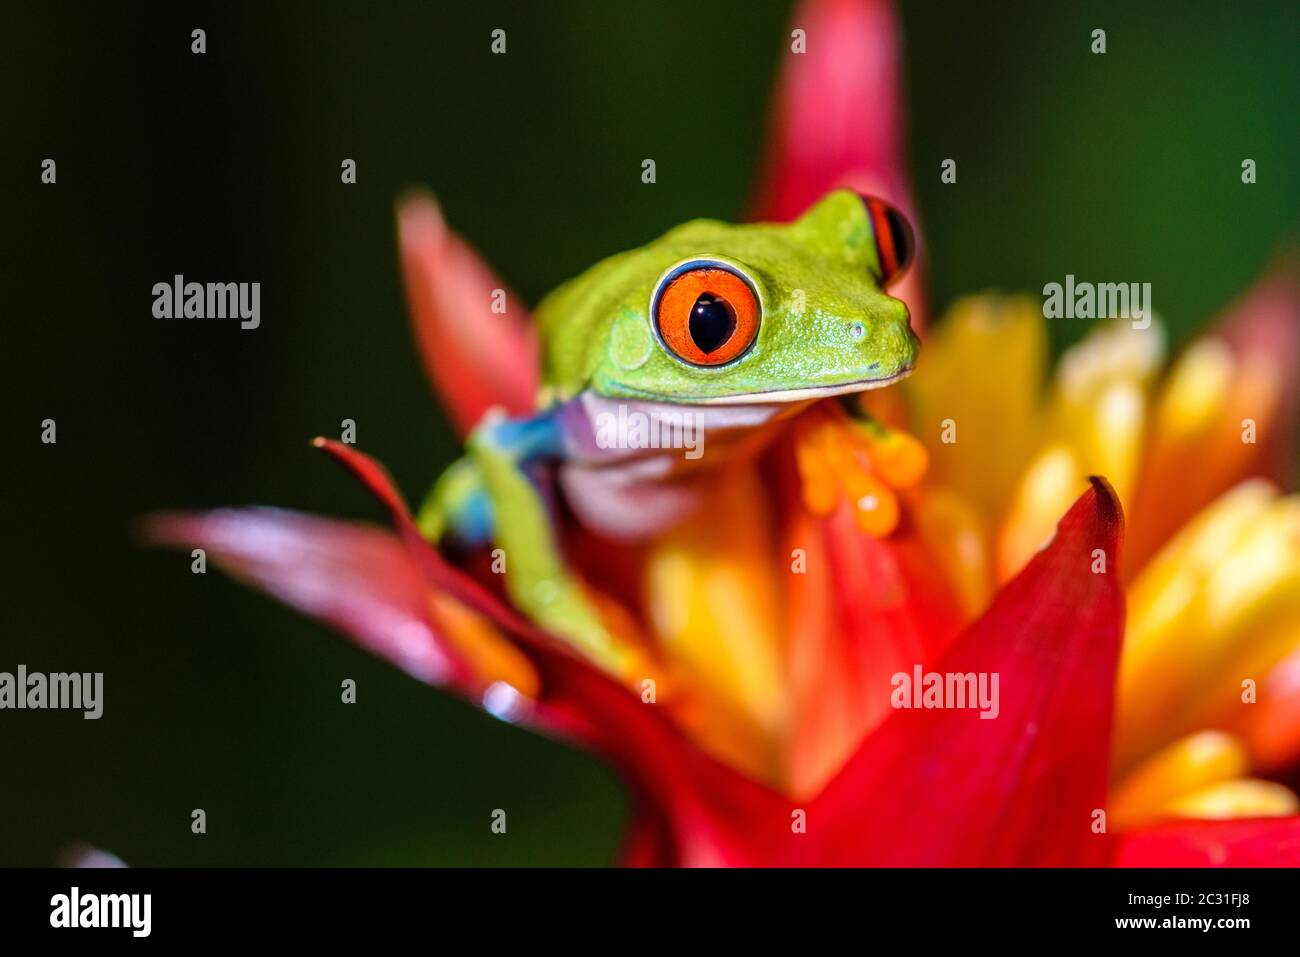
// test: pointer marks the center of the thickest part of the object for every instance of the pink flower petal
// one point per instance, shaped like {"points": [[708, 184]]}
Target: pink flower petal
{"points": [[475, 357], [837, 120], [1263, 329], [692, 810], [355, 576]]}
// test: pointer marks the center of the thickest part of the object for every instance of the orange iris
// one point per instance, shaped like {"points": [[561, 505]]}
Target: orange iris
{"points": [[707, 316]]}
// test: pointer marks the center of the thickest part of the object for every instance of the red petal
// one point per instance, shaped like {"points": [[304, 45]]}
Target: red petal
{"points": [[357, 577], [864, 608], [699, 811], [476, 358], [1246, 842], [945, 787], [1263, 329], [1271, 726], [837, 119], [838, 109]]}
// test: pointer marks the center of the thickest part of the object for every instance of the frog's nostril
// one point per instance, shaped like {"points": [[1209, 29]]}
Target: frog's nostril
{"points": [[856, 331]]}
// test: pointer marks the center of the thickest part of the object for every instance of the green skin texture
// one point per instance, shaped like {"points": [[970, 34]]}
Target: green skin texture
{"points": [[597, 335], [596, 329]]}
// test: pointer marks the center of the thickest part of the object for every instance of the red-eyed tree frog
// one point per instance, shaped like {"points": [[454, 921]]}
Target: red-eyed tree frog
{"points": [[660, 363]]}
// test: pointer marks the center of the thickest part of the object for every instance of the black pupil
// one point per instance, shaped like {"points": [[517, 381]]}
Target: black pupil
{"points": [[712, 322]]}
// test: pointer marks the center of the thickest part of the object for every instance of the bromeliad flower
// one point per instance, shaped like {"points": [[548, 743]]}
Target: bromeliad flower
{"points": [[766, 637]]}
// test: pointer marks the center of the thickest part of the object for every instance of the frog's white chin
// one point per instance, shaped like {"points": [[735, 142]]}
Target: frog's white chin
{"points": [[808, 393]]}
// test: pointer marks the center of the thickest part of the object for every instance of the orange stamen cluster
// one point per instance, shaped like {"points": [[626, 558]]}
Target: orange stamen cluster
{"points": [[864, 462]]}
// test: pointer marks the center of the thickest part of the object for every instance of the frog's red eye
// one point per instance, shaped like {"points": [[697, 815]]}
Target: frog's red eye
{"points": [[895, 244], [706, 313]]}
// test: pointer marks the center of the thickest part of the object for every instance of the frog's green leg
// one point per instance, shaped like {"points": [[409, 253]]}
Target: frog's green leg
{"points": [[538, 581], [458, 506]]}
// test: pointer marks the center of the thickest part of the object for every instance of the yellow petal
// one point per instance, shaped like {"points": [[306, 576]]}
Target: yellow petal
{"points": [[955, 535], [711, 592], [1096, 426], [1198, 442], [1195, 390], [1250, 614], [1246, 797], [1112, 351], [1188, 765], [1107, 435], [979, 384], [1261, 569], [1049, 486], [1100, 397], [1163, 593], [1221, 604]]}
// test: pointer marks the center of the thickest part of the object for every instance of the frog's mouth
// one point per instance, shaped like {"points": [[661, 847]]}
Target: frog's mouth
{"points": [[806, 393]]}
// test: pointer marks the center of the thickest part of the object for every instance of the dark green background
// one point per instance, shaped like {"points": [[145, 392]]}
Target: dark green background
{"points": [[1117, 167]]}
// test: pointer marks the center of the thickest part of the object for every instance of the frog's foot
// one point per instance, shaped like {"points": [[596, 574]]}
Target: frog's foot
{"points": [[856, 458], [457, 507]]}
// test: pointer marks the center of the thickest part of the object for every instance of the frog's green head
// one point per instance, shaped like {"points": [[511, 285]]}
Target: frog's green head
{"points": [[712, 312]]}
